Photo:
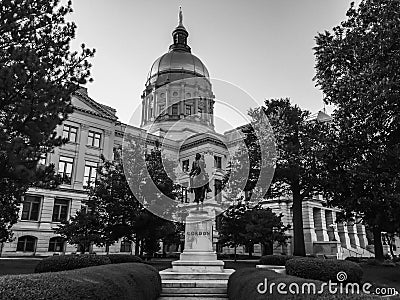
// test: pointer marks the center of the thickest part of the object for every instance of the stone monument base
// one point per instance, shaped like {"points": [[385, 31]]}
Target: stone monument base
{"points": [[198, 273]]}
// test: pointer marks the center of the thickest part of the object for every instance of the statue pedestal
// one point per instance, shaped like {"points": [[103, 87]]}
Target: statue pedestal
{"points": [[198, 254], [198, 272]]}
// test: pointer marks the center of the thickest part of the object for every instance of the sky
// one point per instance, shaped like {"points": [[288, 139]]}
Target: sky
{"points": [[262, 47]]}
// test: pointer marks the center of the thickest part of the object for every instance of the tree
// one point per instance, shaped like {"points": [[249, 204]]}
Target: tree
{"points": [[264, 227], [38, 73], [300, 145], [244, 225], [358, 70], [83, 230], [232, 226], [125, 214]]}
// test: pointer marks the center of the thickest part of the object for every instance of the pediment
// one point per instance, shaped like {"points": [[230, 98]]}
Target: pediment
{"points": [[84, 103]]}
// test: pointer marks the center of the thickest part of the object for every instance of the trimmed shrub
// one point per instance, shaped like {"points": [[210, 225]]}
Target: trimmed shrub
{"points": [[275, 260], [124, 258], [119, 282], [242, 285], [353, 259], [324, 270], [70, 262]]}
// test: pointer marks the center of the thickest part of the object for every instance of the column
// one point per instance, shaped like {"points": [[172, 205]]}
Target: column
{"points": [[143, 112], [362, 235], [331, 226], [79, 161], [155, 104], [196, 106], [352, 229], [320, 224], [344, 235], [168, 102], [309, 228]]}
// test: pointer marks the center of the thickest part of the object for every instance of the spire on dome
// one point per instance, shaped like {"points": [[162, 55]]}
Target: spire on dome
{"points": [[180, 35], [180, 16]]}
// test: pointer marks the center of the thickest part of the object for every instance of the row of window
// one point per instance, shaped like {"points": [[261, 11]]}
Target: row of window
{"points": [[217, 163], [71, 132], [66, 166], [31, 208], [27, 243]]}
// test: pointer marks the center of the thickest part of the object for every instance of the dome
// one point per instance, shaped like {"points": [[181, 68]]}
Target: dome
{"points": [[176, 62]]}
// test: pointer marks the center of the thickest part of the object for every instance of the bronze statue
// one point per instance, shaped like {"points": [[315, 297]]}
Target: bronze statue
{"points": [[199, 179]]}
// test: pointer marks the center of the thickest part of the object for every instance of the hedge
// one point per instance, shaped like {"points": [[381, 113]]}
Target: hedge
{"points": [[242, 285], [324, 269], [124, 258], [70, 262], [119, 282], [275, 260]]}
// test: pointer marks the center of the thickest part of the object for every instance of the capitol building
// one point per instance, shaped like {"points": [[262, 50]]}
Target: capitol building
{"points": [[177, 111]]}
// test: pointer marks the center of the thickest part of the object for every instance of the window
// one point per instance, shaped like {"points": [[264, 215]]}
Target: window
{"points": [[84, 208], [126, 246], [218, 190], [30, 208], [184, 194], [161, 109], [70, 133], [175, 109], [60, 210], [199, 110], [56, 244], [218, 162], [26, 243], [94, 139], [185, 165], [42, 159], [89, 176], [65, 168], [188, 110], [175, 94]]}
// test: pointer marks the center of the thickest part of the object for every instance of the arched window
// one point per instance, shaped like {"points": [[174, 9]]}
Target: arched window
{"points": [[26, 243], [56, 244]]}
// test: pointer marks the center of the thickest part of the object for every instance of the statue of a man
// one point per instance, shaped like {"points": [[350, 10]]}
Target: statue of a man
{"points": [[199, 179]]}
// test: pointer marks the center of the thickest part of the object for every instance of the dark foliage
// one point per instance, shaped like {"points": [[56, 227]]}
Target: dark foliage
{"points": [[242, 285], [325, 270], [108, 282], [123, 258], [38, 74], [275, 260], [70, 262]]}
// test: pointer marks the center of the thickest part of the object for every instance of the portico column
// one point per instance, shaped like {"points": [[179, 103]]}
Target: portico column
{"points": [[352, 229], [320, 224], [331, 225], [344, 235], [362, 235], [309, 228]]}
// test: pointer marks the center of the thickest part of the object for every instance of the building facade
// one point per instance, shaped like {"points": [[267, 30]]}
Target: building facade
{"points": [[177, 111]]}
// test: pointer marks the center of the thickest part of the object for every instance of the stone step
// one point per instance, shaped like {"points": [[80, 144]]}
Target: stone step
{"points": [[189, 296], [194, 290], [168, 275], [194, 283]]}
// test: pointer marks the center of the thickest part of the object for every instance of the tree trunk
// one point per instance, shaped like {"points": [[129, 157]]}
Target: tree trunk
{"points": [[235, 254], [378, 243], [108, 248], [267, 248], [298, 233], [137, 247]]}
